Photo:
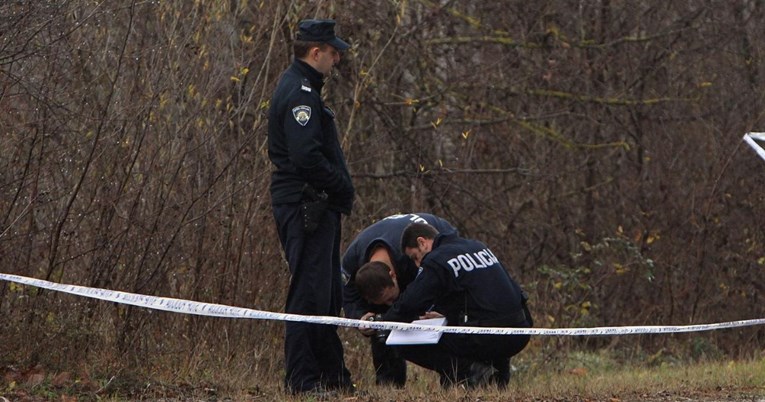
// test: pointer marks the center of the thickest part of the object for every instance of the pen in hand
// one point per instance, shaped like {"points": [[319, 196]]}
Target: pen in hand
{"points": [[430, 313]]}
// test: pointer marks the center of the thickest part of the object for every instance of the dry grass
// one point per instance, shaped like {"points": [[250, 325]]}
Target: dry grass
{"points": [[641, 383], [541, 375]]}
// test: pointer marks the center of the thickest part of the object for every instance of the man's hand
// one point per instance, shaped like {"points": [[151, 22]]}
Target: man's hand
{"points": [[366, 331], [431, 314]]}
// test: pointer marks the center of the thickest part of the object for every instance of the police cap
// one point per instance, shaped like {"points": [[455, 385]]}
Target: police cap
{"points": [[322, 31]]}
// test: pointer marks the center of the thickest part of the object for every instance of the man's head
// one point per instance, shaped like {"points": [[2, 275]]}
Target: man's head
{"points": [[417, 240], [376, 282], [318, 45]]}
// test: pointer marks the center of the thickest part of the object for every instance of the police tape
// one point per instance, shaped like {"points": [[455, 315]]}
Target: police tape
{"points": [[219, 310], [752, 138]]}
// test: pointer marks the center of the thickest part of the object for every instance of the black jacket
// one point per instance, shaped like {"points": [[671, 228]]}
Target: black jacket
{"points": [[302, 142], [462, 278], [387, 233]]}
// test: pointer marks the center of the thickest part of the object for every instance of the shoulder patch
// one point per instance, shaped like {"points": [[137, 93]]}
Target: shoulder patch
{"points": [[305, 85], [302, 114]]}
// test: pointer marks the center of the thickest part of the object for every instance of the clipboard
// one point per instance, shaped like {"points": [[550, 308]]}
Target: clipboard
{"points": [[400, 337]]}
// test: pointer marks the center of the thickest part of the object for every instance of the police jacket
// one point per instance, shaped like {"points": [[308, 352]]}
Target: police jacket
{"points": [[463, 280], [387, 233], [302, 141]]}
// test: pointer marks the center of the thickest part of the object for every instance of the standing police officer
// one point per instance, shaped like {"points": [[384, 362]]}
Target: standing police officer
{"points": [[380, 242], [464, 281], [310, 189]]}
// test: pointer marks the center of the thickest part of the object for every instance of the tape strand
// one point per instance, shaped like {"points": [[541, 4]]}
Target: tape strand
{"points": [[223, 311]]}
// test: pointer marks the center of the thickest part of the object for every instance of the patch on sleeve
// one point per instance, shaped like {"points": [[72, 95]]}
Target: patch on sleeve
{"points": [[302, 114]]}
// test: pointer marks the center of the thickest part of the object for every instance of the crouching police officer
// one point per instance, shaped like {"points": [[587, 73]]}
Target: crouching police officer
{"points": [[464, 281], [380, 242]]}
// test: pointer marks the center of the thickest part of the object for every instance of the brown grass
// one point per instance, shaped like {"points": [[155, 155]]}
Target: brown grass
{"points": [[568, 376]]}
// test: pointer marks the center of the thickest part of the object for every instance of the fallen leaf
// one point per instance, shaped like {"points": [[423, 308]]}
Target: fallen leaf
{"points": [[62, 379]]}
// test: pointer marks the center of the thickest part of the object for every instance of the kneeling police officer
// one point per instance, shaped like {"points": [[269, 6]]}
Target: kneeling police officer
{"points": [[380, 243], [464, 281]]}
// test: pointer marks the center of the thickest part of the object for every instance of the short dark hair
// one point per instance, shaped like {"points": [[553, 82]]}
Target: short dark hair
{"points": [[300, 48], [372, 278], [415, 230]]}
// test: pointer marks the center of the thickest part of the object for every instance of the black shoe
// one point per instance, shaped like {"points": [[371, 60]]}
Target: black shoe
{"points": [[479, 375], [319, 394], [345, 389], [501, 376]]}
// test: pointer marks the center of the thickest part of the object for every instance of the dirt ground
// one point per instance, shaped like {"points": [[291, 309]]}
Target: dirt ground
{"points": [[400, 396], [35, 385]]}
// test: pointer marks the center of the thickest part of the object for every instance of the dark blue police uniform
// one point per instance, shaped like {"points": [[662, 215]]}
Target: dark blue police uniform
{"points": [[389, 367], [466, 283], [308, 160]]}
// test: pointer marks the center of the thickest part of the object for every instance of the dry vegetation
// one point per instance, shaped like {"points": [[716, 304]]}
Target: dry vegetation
{"points": [[594, 145]]}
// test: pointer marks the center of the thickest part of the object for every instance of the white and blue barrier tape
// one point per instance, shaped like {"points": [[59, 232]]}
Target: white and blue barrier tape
{"points": [[752, 138], [220, 310]]}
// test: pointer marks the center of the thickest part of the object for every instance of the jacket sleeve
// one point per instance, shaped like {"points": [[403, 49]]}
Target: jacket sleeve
{"points": [[419, 296], [307, 142], [352, 301], [353, 304]]}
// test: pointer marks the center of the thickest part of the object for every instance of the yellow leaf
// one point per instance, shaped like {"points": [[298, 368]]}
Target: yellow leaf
{"points": [[465, 134], [652, 238], [620, 269], [437, 123]]}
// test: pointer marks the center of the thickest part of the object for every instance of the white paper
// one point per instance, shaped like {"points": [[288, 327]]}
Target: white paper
{"points": [[399, 337]]}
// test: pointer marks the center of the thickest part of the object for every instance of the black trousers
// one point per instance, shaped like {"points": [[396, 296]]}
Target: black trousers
{"points": [[313, 353], [452, 356], [390, 368]]}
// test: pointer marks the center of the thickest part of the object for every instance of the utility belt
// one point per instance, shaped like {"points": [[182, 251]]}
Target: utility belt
{"points": [[517, 319], [520, 318]]}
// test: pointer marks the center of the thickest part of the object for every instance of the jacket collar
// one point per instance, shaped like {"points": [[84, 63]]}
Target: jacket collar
{"points": [[442, 237], [315, 78]]}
